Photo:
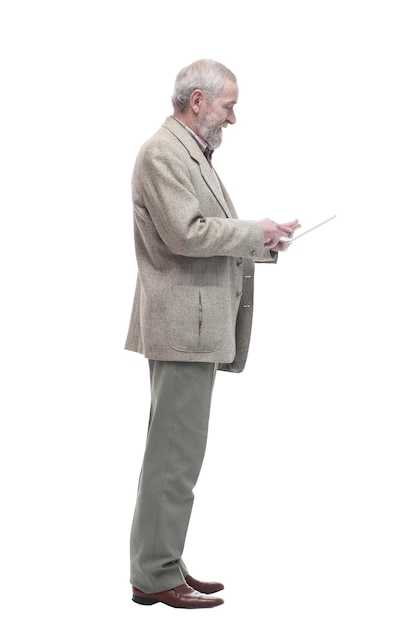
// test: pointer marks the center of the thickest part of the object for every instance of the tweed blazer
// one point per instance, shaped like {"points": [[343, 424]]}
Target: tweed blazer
{"points": [[194, 292]]}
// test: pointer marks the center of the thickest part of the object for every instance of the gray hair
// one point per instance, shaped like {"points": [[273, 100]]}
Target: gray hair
{"points": [[205, 74]]}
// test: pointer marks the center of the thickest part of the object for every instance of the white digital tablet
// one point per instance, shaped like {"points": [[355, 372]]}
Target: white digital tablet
{"points": [[303, 231]]}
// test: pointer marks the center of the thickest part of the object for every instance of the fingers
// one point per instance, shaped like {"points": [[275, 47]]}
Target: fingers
{"points": [[294, 224], [282, 246], [273, 232]]}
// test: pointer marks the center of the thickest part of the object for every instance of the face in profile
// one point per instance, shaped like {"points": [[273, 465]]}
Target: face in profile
{"points": [[216, 115]]}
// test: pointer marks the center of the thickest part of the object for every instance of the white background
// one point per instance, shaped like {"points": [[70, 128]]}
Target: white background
{"points": [[307, 503]]}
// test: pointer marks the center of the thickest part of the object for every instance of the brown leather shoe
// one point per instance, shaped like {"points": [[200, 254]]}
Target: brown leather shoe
{"points": [[202, 586], [181, 597]]}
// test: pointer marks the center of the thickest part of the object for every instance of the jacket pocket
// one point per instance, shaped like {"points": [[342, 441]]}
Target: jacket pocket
{"points": [[198, 318]]}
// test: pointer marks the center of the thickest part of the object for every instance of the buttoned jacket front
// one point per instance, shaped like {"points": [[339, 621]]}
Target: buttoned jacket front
{"points": [[194, 293]]}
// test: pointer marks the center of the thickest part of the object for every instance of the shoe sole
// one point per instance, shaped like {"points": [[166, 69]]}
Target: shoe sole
{"points": [[150, 601], [145, 601]]}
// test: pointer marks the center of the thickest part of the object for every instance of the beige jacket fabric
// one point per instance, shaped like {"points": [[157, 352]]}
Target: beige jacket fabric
{"points": [[194, 293]]}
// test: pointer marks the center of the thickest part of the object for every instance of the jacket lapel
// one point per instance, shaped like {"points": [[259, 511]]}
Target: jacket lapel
{"points": [[208, 173], [214, 184]]}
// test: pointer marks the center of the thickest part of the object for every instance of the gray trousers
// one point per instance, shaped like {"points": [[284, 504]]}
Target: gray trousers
{"points": [[176, 442]]}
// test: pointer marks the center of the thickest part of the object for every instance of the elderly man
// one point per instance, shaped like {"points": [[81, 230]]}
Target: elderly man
{"points": [[191, 317]]}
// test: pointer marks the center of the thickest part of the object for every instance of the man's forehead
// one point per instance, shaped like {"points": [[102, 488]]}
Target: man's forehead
{"points": [[230, 92]]}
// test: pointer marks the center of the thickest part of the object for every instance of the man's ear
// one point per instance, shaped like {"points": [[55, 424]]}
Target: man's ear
{"points": [[195, 100]]}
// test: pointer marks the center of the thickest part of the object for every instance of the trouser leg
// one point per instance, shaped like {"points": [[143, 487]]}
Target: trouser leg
{"points": [[176, 442]]}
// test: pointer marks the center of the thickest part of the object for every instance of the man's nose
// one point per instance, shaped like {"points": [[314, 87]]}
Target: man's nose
{"points": [[231, 119]]}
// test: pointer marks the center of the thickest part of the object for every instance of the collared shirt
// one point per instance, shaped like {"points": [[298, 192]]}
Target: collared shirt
{"points": [[200, 142]]}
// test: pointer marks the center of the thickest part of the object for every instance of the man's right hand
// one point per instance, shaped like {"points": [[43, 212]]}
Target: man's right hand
{"points": [[273, 232]]}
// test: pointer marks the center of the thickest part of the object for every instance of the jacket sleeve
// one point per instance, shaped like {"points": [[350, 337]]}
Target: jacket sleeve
{"points": [[268, 256], [174, 204]]}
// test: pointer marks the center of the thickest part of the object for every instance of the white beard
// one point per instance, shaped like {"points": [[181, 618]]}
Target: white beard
{"points": [[212, 136]]}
